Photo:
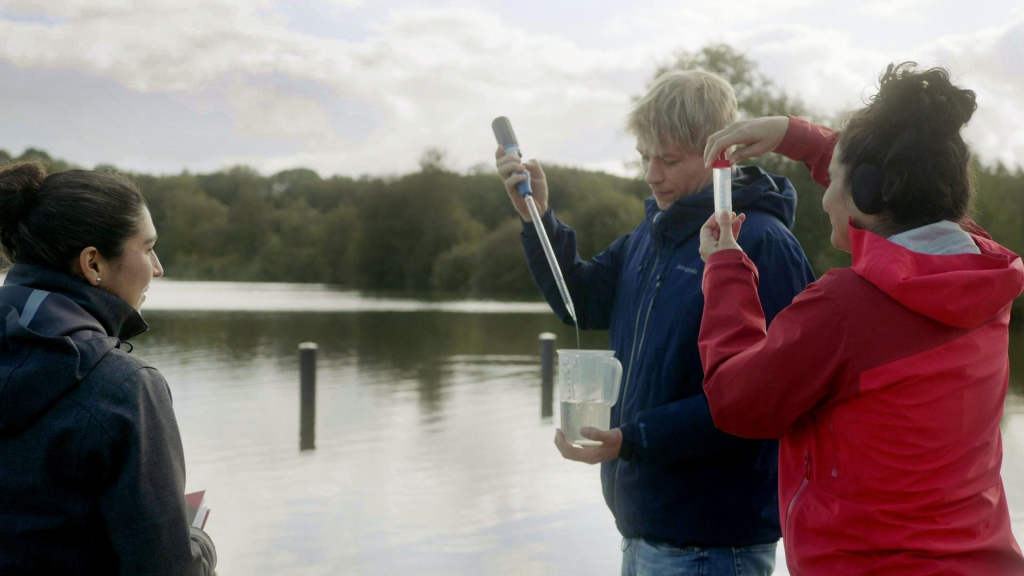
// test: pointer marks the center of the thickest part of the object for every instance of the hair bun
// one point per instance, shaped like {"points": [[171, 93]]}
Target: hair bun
{"points": [[963, 104], [926, 98], [19, 184]]}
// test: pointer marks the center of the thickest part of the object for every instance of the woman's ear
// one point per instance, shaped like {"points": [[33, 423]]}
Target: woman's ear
{"points": [[89, 265]]}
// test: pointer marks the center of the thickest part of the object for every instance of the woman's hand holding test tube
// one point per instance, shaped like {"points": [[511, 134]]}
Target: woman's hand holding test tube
{"points": [[720, 233], [751, 138]]}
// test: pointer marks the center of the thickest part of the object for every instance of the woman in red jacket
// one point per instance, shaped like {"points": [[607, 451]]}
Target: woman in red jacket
{"points": [[885, 380]]}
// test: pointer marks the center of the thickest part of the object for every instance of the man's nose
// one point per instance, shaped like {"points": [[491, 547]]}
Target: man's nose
{"points": [[654, 174]]}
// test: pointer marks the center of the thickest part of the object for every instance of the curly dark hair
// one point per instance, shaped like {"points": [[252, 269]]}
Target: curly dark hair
{"points": [[911, 130], [47, 220]]}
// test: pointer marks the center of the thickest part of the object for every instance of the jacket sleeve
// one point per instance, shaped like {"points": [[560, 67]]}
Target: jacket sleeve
{"points": [[142, 493], [684, 430], [811, 144], [759, 382], [591, 284]]}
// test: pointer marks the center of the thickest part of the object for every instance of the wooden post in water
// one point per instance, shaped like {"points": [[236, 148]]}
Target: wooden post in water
{"points": [[547, 373], [307, 395]]}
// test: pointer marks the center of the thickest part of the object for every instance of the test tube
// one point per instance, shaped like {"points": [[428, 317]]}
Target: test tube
{"points": [[721, 170]]}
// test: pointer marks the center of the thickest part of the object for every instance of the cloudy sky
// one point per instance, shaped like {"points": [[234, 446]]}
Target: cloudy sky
{"points": [[364, 87]]}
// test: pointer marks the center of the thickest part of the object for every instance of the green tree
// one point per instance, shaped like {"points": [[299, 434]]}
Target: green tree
{"points": [[293, 251], [454, 269], [52, 164], [500, 265], [248, 227], [756, 94], [601, 218], [338, 244], [192, 228], [406, 225]]}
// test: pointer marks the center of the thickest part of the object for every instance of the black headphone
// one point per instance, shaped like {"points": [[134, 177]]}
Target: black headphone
{"points": [[866, 188]]}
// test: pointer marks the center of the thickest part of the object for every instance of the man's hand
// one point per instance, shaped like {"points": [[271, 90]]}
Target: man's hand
{"points": [[508, 165], [719, 233], [608, 450]]}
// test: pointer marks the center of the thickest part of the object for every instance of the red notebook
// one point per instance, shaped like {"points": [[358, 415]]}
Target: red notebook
{"points": [[195, 503]]}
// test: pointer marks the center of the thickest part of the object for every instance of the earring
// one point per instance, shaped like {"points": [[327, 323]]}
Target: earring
{"points": [[97, 279]]}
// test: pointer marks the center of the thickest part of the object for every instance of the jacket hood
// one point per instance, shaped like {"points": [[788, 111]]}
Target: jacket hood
{"points": [[960, 290], [753, 189], [54, 328]]}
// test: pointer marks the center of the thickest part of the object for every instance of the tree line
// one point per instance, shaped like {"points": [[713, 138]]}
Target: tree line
{"points": [[456, 233]]}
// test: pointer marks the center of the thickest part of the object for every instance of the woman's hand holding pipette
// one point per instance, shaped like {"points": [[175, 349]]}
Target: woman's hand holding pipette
{"points": [[611, 444], [508, 166], [719, 233], [754, 138]]}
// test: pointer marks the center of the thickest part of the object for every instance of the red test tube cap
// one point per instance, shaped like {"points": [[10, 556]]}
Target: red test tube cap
{"points": [[721, 161]]}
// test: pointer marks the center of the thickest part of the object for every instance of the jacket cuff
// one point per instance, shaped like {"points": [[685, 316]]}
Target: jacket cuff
{"points": [[548, 219], [725, 256], [632, 443], [794, 144], [207, 549], [726, 259]]}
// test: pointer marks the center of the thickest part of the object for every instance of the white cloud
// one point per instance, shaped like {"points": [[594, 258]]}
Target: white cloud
{"points": [[829, 71], [820, 66], [263, 111], [902, 9], [436, 77], [989, 62]]}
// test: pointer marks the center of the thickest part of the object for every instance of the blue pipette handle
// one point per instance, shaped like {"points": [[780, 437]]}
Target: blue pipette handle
{"points": [[507, 138], [522, 187]]}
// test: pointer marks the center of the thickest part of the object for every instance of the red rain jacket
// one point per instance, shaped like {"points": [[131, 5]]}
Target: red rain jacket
{"points": [[885, 382]]}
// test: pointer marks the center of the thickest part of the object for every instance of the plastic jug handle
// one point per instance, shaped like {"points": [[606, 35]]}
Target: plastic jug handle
{"points": [[616, 382]]}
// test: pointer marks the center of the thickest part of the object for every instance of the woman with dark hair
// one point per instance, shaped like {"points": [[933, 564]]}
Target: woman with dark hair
{"points": [[92, 473], [885, 381]]}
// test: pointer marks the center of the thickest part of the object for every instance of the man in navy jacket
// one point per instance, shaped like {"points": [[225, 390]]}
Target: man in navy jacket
{"points": [[686, 497]]}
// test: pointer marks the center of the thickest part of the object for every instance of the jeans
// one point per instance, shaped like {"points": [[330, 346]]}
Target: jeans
{"points": [[643, 558]]}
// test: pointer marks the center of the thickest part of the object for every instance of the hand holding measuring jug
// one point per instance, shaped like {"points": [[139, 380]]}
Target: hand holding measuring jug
{"points": [[611, 445], [588, 387]]}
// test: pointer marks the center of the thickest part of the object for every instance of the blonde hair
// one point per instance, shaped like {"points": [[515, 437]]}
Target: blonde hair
{"points": [[683, 108]]}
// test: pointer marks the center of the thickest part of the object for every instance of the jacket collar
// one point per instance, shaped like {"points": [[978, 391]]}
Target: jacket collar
{"points": [[116, 316], [961, 290], [753, 189]]}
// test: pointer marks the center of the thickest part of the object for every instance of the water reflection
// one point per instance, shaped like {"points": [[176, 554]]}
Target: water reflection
{"points": [[403, 346], [431, 454]]}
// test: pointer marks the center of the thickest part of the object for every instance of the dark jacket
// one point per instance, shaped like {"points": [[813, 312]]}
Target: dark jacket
{"points": [[679, 480], [92, 473]]}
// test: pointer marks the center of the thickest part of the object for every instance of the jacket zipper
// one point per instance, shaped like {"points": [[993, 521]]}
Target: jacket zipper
{"points": [[789, 512], [643, 333], [633, 347]]}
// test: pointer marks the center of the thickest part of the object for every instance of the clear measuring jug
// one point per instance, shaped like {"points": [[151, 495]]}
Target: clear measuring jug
{"points": [[588, 382]]}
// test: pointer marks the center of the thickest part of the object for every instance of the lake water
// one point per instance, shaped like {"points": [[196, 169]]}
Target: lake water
{"points": [[431, 454]]}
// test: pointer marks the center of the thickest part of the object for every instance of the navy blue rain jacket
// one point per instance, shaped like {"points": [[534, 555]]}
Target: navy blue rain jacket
{"points": [[92, 473], [685, 482]]}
